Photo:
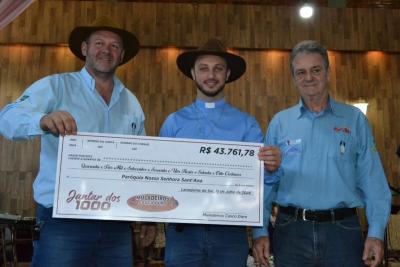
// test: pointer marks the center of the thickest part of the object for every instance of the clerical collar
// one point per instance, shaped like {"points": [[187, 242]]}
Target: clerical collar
{"points": [[209, 105]]}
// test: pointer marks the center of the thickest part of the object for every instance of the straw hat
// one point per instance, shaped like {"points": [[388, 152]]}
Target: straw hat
{"points": [[80, 34], [213, 46]]}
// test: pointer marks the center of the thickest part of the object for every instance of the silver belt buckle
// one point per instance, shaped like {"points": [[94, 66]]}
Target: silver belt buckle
{"points": [[304, 215]]}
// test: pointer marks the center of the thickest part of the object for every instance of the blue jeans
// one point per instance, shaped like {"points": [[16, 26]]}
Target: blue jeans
{"points": [[317, 244], [206, 246], [81, 243]]}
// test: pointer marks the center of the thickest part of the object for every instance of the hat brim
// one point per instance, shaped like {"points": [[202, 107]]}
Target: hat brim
{"points": [[236, 64], [80, 34]]}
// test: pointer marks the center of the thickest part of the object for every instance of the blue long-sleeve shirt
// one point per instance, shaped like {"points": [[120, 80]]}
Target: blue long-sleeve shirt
{"points": [[75, 93], [329, 160], [215, 121]]}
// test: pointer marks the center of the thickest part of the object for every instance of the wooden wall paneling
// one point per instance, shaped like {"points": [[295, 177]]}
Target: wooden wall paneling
{"points": [[190, 24], [16, 194], [377, 88], [334, 60], [391, 77], [144, 20], [205, 24]]}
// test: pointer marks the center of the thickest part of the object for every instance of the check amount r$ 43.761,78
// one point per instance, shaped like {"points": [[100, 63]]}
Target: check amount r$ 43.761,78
{"points": [[227, 151]]}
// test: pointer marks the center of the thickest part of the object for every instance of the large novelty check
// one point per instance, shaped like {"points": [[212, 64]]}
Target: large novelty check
{"points": [[141, 178]]}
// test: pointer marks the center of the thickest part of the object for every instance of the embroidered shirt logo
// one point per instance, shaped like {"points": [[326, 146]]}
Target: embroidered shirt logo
{"points": [[23, 98], [343, 129]]}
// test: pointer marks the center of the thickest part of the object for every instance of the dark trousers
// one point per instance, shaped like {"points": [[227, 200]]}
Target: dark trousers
{"points": [[299, 243], [81, 243]]}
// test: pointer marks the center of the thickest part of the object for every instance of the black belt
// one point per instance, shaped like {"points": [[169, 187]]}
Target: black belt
{"points": [[319, 215]]}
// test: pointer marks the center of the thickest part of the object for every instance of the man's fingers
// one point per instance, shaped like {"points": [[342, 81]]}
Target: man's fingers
{"points": [[255, 255], [59, 123], [268, 150], [371, 260], [373, 252], [272, 160], [68, 123], [49, 124], [269, 153], [60, 126], [261, 251], [271, 156]]}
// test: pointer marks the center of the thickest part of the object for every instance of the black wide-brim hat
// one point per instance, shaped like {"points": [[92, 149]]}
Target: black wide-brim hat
{"points": [[213, 46], [80, 34]]}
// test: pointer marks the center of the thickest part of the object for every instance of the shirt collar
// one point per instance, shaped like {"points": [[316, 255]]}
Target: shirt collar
{"points": [[88, 79], [332, 107], [203, 105], [335, 107], [90, 82]]}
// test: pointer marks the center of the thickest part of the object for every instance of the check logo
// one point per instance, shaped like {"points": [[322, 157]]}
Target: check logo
{"points": [[152, 202]]}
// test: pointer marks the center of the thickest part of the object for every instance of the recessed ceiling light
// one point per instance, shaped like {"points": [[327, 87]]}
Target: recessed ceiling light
{"points": [[306, 11]]}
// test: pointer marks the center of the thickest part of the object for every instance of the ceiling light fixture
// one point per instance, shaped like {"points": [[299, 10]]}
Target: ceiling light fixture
{"points": [[306, 11]]}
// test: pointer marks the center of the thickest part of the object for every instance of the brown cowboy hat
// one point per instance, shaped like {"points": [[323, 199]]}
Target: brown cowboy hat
{"points": [[80, 34], [236, 64]]}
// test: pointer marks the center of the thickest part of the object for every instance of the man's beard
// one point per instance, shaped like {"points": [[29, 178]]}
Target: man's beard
{"points": [[96, 66], [208, 93]]}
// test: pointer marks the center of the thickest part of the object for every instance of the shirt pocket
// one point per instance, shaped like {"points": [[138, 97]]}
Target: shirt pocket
{"points": [[343, 148], [292, 153], [291, 147]]}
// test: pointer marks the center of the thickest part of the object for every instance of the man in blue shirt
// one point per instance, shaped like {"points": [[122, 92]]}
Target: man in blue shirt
{"points": [[330, 166], [210, 117], [91, 100]]}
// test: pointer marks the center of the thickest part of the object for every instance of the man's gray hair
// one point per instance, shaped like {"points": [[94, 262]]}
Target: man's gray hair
{"points": [[307, 47]]}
